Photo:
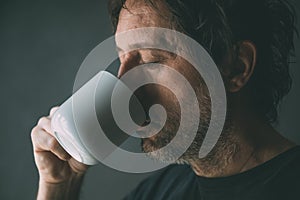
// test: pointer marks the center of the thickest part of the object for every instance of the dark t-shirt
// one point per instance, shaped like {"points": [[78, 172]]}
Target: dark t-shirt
{"points": [[276, 179]]}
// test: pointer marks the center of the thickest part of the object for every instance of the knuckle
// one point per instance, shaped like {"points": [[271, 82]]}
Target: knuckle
{"points": [[34, 131], [42, 159], [43, 120], [53, 109]]}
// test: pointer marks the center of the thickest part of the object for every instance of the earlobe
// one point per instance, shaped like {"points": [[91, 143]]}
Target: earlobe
{"points": [[243, 67]]}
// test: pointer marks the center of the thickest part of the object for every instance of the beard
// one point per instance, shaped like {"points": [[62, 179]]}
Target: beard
{"points": [[220, 155]]}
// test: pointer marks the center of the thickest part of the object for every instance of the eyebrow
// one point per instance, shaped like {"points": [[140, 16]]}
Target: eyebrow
{"points": [[132, 46], [145, 45]]}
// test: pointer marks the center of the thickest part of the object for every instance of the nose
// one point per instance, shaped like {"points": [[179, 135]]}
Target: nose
{"points": [[128, 61]]}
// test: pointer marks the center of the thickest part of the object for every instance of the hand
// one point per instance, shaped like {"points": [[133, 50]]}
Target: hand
{"points": [[54, 164]]}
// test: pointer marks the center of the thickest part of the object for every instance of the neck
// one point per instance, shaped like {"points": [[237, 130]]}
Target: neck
{"points": [[248, 144]]}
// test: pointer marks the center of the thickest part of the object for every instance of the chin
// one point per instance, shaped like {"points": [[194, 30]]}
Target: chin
{"points": [[151, 147]]}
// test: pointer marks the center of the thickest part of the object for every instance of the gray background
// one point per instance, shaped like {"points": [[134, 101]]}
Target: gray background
{"points": [[42, 44]]}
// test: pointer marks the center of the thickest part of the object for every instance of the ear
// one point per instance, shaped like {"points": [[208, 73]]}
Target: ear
{"points": [[243, 66]]}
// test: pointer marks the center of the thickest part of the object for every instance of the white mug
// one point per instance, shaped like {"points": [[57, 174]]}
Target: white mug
{"points": [[71, 123]]}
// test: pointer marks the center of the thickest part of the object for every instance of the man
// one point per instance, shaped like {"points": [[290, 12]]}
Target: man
{"points": [[251, 42]]}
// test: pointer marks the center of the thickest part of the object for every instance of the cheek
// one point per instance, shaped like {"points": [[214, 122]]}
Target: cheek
{"points": [[181, 81], [194, 78], [169, 86]]}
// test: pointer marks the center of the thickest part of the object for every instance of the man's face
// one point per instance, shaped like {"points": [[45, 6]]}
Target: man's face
{"points": [[138, 15]]}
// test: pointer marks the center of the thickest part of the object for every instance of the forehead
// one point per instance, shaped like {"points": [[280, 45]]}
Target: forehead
{"points": [[138, 14]]}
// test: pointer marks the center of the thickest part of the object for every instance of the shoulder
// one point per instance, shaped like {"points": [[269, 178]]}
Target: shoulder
{"points": [[285, 181], [163, 183], [290, 162]]}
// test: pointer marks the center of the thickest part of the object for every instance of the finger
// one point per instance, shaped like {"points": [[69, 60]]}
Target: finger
{"points": [[45, 124], [77, 166], [53, 110], [43, 141]]}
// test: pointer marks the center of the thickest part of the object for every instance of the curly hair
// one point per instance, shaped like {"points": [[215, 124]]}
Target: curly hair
{"points": [[219, 25]]}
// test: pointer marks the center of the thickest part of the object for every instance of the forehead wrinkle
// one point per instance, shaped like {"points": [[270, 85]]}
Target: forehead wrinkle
{"points": [[137, 6], [138, 14], [143, 16]]}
